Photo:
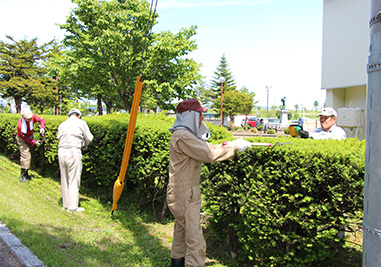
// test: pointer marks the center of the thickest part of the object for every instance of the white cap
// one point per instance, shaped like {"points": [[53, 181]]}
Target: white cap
{"points": [[26, 113], [328, 112], [74, 110]]}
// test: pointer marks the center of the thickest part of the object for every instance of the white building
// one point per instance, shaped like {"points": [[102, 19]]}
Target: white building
{"points": [[344, 61]]}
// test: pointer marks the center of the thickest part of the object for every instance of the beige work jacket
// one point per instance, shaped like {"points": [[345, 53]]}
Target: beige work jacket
{"points": [[187, 152], [74, 133]]}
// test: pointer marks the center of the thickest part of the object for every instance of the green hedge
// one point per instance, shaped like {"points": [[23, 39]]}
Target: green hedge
{"points": [[285, 205], [282, 205], [148, 166]]}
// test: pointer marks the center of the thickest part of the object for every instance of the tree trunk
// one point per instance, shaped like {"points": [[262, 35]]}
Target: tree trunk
{"points": [[126, 104], [108, 107], [18, 103], [99, 105]]}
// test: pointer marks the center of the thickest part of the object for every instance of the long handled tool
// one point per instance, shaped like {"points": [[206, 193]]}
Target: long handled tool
{"points": [[262, 144], [119, 183], [269, 144]]}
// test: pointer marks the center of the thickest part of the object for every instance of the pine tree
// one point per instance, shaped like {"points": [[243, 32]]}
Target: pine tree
{"points": [[22, 75], [214, 92]]}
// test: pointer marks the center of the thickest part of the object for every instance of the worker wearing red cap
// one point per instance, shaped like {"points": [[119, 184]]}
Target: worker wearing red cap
{"points": [[188, 149], [25, 139]]}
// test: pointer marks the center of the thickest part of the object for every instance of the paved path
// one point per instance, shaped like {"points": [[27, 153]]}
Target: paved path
{"points": [[13, 253]]}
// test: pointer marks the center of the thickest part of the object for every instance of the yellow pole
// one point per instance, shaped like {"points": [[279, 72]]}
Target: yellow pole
{"points": [[119, 183]]}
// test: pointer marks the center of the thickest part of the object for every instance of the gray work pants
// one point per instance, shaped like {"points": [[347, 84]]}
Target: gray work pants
{"points": [[70, 161]]}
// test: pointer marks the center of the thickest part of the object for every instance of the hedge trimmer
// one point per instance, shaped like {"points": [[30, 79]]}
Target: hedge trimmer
{"points": [[262, 144]]}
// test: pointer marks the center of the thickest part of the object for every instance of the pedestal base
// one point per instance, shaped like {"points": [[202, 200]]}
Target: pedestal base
{"points": [[284, 118]]}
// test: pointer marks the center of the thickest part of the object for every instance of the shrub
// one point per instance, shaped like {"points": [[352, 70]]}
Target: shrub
{"points": [[148, 165], [284, 205], [279, 205], [254, 130]]}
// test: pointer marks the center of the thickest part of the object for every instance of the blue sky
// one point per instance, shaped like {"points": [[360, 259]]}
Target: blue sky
{"points": [[266, 42]]}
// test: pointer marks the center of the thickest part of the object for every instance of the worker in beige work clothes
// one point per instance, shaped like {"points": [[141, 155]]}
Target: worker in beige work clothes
{"points": [[188, 149], [73, 135]]}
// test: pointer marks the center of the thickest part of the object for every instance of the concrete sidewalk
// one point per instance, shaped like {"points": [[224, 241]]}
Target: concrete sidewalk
{"points": [[13, 253]]}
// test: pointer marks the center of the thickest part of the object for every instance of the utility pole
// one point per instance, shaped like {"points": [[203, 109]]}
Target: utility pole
{"points": [[222, 80], [57, 95], [268, 88], [372, 185]]}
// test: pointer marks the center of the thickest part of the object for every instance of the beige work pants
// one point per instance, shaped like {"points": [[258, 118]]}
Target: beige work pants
{"points": [[188, 240], [70, 161], [25, 156]]}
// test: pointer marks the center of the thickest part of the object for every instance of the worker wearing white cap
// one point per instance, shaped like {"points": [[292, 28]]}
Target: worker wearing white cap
{"points": [[188, 149], [328, 128], [73, 135], [25, 139]]}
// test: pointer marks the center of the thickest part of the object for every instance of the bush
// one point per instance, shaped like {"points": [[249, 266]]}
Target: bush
{"points": [[148, 165], [284, 205]]}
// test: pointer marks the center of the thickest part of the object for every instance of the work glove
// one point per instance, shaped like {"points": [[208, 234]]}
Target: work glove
{"points": [[304, 134], [242, 145], [39, 142], [42, 131]]}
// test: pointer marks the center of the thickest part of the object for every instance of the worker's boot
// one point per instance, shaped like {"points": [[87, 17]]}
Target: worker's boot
{"points": [[178, 262], [23, 176], [27, 175]]}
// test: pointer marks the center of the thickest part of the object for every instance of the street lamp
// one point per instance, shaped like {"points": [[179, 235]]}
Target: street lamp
{"points": [[268, 88], [222, 80]]}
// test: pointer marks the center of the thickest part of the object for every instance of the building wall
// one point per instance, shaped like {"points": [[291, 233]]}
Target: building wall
{"points": [[349, 100], [346, 97], [345, 43], [345, 56]]}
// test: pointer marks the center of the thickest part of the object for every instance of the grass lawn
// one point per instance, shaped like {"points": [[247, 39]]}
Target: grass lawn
{"points": [[32, 211]]}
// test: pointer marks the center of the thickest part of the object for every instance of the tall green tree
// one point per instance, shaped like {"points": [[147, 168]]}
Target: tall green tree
{"points": [[238, 102], [214, 92], [23, 75], [234, 101], [106, 43], [223, 71], [202, 90], [169, 74]]}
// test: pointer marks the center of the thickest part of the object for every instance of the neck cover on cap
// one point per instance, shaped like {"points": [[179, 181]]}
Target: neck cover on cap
{"points": [[189, 121]]}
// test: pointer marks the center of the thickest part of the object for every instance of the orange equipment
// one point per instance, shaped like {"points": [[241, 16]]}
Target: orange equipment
{"points": [[119, 183]]}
